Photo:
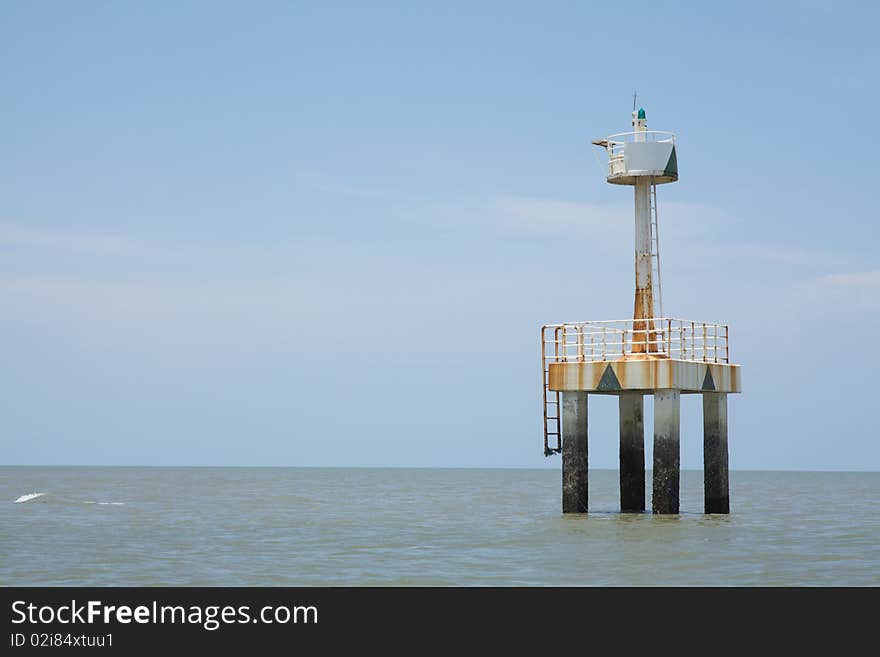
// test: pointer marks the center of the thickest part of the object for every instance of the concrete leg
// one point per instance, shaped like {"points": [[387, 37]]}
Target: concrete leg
{"points": [[716, 494], [632, 452], [667, 458], [574, 452]]}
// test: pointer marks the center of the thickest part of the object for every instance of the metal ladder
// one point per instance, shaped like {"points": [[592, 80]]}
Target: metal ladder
{"points": [[655, 256], [552, 411]]}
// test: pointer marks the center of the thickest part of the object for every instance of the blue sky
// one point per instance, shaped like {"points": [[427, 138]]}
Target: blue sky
{"points": [[327, 234]]}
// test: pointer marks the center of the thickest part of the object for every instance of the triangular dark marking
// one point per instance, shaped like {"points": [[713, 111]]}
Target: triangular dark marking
{"points": [[708, 381], [671, 164], [609, 381]]}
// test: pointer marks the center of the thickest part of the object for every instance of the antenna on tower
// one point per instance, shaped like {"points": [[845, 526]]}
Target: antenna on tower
{"points": [[635, 95]]}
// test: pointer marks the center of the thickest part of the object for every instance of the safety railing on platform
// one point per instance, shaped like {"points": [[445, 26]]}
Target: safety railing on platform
{"points": [[617, 339], [616, 145]]}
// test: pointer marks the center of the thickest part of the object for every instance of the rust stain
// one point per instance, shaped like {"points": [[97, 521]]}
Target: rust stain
{"points": [[734, 378], [644, 340], [553, 376], [643, 374]]}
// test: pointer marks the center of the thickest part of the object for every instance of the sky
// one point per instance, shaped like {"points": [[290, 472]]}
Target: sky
{"points": [[319, 234]]}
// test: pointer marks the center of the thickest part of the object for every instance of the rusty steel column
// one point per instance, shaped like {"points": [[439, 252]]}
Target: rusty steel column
{"points": [[716, 490], [667, 456], [574, 452], [632, 452], [644, 301]]}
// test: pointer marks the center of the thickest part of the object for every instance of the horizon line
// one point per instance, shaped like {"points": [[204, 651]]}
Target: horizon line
{"points": [[402, 467]]}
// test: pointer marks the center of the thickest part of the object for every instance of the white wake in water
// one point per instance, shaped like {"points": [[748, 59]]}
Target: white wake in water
{"points": [[28, 497], [44, 497]]}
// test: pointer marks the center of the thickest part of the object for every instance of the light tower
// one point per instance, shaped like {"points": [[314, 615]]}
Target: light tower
{"points": [[648, 355]]}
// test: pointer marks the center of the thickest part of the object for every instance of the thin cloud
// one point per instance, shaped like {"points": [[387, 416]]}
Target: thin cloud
{"points": [[861, 288], [12, 235]]}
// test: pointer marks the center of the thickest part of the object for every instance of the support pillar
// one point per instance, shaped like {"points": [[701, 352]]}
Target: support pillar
{"points": [[644, 301], [667, 457], [716, 493], [632, 452], [574, 452]]}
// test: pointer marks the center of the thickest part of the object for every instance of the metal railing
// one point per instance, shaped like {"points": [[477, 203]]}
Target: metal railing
{"points": [[616, 339], [643, 135], [613, 339], [616, 145]]}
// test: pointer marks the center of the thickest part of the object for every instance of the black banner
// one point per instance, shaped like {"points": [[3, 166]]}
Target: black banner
{"points": [[129, 620]]}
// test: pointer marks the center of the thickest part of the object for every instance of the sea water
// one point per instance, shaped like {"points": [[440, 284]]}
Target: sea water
{"points": [[339, 527]]}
